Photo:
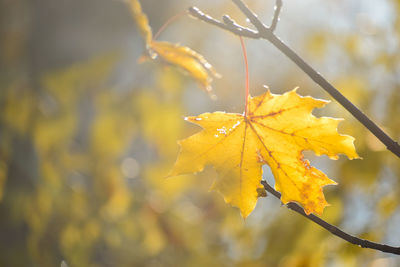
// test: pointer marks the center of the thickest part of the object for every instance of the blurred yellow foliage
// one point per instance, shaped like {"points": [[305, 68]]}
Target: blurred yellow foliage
{"points": [[3, 175]]}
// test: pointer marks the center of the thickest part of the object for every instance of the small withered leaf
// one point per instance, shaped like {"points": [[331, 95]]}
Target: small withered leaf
{"points": [[186, 59]]}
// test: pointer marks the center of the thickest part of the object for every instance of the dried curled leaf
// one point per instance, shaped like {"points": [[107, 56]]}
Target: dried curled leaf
{"points": [[187, 59], [277, 129], [182, 57]]}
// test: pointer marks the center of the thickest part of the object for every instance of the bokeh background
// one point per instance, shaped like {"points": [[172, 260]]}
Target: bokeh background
{"points": [[87, 135]]}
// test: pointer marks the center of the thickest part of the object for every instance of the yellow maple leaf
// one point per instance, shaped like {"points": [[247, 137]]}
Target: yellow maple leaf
{"points": [[275, 131], [182, 57]]}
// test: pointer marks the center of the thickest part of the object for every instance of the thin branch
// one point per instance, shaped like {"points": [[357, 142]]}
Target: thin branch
{"points": [[234, 28], [251, 16], [275, 19], [266, 33], [333, 229]]}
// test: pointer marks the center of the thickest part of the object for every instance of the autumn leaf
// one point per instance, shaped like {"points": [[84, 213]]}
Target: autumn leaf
{"points": [[276, 130], [182, 57]]}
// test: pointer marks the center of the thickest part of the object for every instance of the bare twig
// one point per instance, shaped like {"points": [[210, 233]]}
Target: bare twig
{"points": [[251, 16], [333, 229], [275, 19], [234, 28], [263, 32]]}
